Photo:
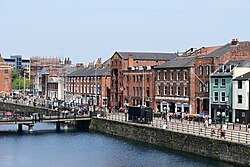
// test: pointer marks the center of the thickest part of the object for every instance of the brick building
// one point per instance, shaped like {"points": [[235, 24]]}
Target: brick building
{"points": [[132, 77], [89, 85], [174, 83], [207, 61], [5, 78]]}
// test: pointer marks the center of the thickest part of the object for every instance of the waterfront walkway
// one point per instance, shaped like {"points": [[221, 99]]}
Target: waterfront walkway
{"points": [[234, 132]]}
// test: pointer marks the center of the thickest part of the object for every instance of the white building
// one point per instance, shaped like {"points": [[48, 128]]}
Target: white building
{"points": [[241, 98]]}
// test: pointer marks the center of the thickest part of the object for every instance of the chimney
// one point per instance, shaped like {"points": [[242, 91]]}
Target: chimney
{"points": [[79, 65], [130, 61], [91, 64], [98, 63], [234, 42]]}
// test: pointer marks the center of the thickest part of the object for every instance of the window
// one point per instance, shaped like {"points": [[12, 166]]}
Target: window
{"points": [[6, 80], [184, 75], [216, 96], [216, 82], [171, 90], [185, 91], [178, 91], [239, 84], [200, 87], [165, 89], [127, 78], [207, 87], [240, 99], [178, 75], [223, 82], [6, 71], [201, 69], [84, 89], [171, 75], [159, 89], [223, 97], [207, 69], [158, 75], [147, 91], [165, 75], [134, 90], [127, 89]]}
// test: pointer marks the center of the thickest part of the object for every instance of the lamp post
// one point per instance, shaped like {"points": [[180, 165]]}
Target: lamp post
{"points": [[221, 115]]}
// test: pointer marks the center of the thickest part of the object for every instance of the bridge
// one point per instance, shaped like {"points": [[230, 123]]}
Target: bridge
{"points": [[22, 114]]}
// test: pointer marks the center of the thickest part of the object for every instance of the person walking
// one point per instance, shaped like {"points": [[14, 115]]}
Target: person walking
{"points": [[223, 131], [248, 127]]}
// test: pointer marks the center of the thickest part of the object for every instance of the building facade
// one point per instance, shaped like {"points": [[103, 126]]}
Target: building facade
{"points": [[89, 85], [5, 78], [174, 84], [127, 72], [207, 61], [241, 98]]}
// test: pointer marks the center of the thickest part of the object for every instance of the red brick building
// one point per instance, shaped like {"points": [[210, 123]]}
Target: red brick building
{"points": [[5, 78], [207, 61], [89, 85], [182, 84], [174, 83], [132, 77]]}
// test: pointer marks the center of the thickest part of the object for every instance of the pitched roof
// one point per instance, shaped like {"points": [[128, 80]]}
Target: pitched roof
{"points": [[227, 71], [179, 62], [243, 77], [91, 72], [148, 56], [224, 49]]}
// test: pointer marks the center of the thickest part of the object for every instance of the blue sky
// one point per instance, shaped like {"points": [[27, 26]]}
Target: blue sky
{"points": [[87, 29]]}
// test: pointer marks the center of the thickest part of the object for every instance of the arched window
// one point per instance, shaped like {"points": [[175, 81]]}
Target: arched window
{"points": [[207, 69], [200, 86], [207, 87], [201, 69]]}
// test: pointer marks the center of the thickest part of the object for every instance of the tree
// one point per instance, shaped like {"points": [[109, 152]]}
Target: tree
{"points": [[18, 79]]}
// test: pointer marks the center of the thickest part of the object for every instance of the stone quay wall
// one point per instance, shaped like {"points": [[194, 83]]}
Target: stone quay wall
{"points": [[236, 153], [24, 108]]}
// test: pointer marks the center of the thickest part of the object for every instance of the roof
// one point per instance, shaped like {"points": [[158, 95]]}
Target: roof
{"points": [[178, 62], [228, 66], [243, 77], [148, 56], [101, 71], [224, 49]]}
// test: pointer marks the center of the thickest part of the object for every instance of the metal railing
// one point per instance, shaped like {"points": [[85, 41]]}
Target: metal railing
{"points": [[234, 132]]}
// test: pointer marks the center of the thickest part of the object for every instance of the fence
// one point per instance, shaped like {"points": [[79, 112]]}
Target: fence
{"points": [[234, 132]]}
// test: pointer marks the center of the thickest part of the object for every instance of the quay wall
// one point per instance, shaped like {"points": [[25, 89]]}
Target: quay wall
{"points": [[23, 108], [236, 153]]}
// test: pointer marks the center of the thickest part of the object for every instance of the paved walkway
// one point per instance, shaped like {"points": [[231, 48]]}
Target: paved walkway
{"points": [[236, 134]]}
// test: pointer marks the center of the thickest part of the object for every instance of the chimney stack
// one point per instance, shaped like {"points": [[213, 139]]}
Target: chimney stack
{"points": [[234, 42]]}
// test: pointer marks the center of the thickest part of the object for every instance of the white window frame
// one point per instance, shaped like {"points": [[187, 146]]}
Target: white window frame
{"points": [[222, 96], [222, 82], [217, 97]]}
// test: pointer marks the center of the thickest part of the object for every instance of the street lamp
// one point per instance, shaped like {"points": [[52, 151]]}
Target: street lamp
{"points": [[221, 115]]}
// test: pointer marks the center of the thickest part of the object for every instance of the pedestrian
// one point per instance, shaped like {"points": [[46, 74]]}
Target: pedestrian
{"points": [[223, 131], [212, 129], [248, 127], [163, 117], [206, 123], [170, 117]]}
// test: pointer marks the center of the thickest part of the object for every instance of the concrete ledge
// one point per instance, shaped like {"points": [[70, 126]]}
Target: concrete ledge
{"points": [[232, 152]]}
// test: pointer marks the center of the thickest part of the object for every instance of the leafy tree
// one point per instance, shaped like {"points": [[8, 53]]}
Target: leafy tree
{"points": [[17, 78]]}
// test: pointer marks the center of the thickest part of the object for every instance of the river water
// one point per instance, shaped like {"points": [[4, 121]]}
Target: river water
{"points": [[46, 147]]}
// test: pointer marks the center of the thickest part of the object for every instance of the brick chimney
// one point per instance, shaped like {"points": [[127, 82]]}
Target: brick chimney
{"points": [[234, 42], [98, 63], [79, 65], [91, 64], [130, 61]]}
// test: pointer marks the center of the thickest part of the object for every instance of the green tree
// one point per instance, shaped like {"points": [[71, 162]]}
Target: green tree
{"points": [[16, 78]]}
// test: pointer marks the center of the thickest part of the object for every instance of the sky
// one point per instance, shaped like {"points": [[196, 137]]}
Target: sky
{"points": [[85, 30]]}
